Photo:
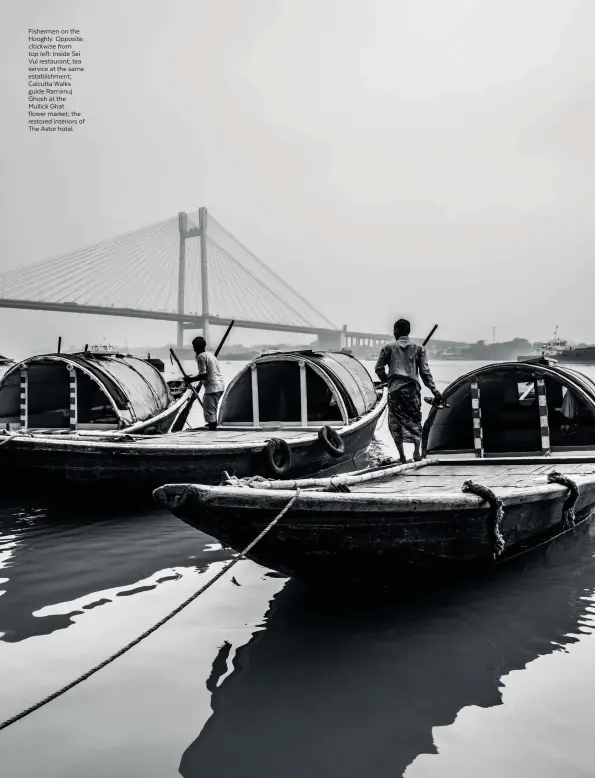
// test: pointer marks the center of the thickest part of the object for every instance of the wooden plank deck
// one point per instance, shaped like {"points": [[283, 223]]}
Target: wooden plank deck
{"points": [[450, 478]]}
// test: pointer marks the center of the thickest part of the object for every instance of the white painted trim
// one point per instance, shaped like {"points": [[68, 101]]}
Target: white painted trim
{"points": [[303, 394], [255, 404], [24, 397]]}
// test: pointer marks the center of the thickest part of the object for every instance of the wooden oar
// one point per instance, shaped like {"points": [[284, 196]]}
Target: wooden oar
{"points": [[432, 400], [224, 338], [433, 330], [185, 376]]}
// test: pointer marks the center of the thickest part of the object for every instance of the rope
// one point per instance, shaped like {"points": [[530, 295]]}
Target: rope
{"points": [[496, 514], [233, 480], [337, 486], [568, 515], [152, 629]]}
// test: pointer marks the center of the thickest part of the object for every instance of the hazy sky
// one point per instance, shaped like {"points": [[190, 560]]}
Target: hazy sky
{"points": [[430, 158]]}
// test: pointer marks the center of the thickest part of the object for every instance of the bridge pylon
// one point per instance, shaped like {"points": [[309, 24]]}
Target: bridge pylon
{"points": [[199, 232]]}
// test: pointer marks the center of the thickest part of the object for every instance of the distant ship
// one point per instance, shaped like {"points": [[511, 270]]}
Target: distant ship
{"points": [[558, 349]]}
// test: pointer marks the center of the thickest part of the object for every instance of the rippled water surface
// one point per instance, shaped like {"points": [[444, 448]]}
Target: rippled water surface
{"points": [[260, 678]]}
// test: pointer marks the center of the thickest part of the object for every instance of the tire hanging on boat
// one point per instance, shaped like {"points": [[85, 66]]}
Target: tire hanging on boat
{"points": [[278, 457], [331, 441]]}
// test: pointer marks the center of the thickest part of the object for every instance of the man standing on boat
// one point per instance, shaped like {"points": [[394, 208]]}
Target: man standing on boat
{"points": [[406, 362], [210, 374]]}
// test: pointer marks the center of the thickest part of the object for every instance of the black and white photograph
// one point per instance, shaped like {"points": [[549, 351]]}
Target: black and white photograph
{"points": [[297, 389]]}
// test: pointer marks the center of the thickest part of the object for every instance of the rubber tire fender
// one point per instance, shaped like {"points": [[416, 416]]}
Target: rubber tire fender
{"points": [[331, 441], [277, 449]]}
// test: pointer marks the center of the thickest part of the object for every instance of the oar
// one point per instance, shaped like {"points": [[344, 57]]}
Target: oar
{"points": [[426, 341], [432, 400], [224, 338], [183, 372]]}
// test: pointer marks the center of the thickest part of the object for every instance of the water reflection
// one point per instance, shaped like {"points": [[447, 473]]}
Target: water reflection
{"points": [[56, 563], [355, 689]]}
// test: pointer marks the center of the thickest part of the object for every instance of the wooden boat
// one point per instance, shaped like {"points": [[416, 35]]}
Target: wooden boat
{"points": [[285, 414], [511, 462]]}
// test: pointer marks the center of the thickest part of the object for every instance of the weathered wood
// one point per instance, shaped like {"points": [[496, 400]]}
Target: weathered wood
{"points": [[372, 535]]}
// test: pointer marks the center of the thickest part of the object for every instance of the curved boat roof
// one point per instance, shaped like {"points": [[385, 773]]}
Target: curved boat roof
{"points": [[515, 408], [134, 388], [300, 388]]}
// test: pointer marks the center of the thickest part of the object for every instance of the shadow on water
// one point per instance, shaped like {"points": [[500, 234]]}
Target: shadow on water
{"points": [[354, 689], [56, 551]]}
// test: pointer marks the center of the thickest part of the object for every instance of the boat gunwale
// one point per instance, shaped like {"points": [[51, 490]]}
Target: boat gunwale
{"points": [[242, 497]]}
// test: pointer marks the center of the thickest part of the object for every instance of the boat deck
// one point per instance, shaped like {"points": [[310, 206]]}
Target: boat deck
{"points": [[190, 439], [432, 479]]}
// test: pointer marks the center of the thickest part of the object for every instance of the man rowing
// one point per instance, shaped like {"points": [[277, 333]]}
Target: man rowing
{"points": [[406, 362], [209, 372]]}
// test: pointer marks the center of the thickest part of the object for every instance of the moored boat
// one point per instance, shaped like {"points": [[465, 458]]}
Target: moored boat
{"points": [[283, 415], [511, 461]]}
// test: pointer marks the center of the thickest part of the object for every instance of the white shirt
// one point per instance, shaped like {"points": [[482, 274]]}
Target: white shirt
{"points": [[207, 363]]}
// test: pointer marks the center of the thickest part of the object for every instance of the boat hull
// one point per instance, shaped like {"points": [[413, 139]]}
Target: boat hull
{"points": [[196, 457], [352, 537]]}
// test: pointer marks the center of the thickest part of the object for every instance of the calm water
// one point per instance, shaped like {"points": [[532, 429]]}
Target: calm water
{"points": [[255, 679]]}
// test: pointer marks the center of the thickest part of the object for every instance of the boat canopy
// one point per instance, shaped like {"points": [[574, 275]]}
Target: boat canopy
{"points": [[299, 389], [87, 390], [516, 408]]}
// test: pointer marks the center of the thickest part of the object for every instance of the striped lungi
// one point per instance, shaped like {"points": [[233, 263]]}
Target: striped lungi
{"points": [[404, 413]]}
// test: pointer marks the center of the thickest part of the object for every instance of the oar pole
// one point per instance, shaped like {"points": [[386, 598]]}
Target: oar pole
{"points": [[183, 372], [432, 331], [224, 338]]}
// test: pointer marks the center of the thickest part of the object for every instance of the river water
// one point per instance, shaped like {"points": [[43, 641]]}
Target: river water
{"points": [[255, 679]]}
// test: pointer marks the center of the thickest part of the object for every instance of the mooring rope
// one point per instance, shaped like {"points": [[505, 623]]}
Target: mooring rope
{"points": [[232, 480], [496, 514], [568, 516], [152, 629]]}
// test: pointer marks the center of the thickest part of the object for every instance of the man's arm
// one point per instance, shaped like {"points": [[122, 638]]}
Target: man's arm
{"points": [[425, 372], [380, 368], [202, 372], [190, 379]]}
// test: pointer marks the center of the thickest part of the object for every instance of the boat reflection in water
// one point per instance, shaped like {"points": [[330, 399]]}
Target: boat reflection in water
{"points": [[355, 690]]}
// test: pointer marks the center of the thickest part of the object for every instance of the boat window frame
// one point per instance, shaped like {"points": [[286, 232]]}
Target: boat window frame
{"points": [[303, 363]]}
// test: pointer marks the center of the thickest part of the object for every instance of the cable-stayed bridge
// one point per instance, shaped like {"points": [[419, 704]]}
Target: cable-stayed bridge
{"points": [[187, 269]]}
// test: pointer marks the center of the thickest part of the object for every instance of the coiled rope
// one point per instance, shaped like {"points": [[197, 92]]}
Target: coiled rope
{"points": [[568, 515], [152, 629], [495, 517]]}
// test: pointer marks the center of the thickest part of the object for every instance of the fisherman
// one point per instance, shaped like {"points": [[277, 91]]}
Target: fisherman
{"points": [[406, 361], [210, 374]]}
